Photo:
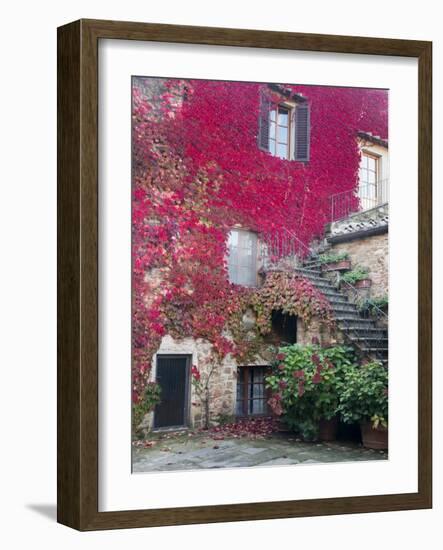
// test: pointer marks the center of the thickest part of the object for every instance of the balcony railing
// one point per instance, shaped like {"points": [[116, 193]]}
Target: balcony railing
{"points": [[365, 197]]}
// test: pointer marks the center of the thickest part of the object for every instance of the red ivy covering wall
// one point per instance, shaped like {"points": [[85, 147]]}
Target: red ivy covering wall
{"points": [[197, 171]]}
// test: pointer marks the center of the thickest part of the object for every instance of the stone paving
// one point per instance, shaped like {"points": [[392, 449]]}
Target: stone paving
{"points": [[184, 452]]}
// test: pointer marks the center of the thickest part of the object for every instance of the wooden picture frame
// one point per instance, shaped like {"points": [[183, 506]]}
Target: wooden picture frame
{"points": [[78, 274]]}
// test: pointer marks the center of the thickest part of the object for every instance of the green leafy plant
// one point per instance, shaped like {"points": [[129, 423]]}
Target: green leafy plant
{"points": [[151, 398], [372, 305], [304, 382], [363, 394], [332, 258], [357, 274]]}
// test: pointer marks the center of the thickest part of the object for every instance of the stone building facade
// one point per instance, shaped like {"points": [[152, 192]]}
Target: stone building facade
{"points": [[363, 235]]}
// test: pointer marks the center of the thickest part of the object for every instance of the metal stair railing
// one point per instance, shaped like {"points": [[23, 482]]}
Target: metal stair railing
{"points": [[379, 314], [284, 244]]}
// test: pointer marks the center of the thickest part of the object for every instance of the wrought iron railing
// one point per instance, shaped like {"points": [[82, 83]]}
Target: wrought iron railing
{"points": [[284, 248], [380, 318], [365, 197]]}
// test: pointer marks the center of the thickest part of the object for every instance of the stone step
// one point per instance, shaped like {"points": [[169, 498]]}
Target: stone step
{"points": [[325, 287], [331, 291], [312, 261], [352, 322], [379, 343], [308, 273], [320, 282], [367, 332], [350, 315], [336, 299], [370, 350], [345, 308]]}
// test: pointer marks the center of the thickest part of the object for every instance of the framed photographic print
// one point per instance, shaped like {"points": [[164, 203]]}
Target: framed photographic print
{"points": [[244, 274]]}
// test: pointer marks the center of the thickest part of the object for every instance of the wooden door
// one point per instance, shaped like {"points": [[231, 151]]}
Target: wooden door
{"points": [[173, 377]]}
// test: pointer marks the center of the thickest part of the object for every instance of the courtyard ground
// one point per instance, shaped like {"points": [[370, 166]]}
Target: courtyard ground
{"points": [[199, 450]]}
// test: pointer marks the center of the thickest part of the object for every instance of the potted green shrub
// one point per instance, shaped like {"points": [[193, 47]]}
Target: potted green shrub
{"points": [[304, 388], [335, 262], [363, 399], [372, 306], [357, 277]]}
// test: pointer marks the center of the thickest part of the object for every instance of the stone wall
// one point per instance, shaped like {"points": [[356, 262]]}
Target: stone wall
{"points": [[223, 378], [222, 384], [371, 252], [316, 330]]}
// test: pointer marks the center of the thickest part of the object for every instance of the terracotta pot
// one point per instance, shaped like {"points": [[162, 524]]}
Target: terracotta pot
{"points": [[328, 429], [374, 438], [364, 283], [343, 265]]}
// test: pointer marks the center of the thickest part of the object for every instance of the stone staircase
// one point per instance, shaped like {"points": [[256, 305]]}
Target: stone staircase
{"points": [[369, 340]]}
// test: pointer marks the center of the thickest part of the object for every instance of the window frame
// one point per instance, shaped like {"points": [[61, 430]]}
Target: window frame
{"points": [[243, 373], [290, 108], [364, 185], [255, 262]]}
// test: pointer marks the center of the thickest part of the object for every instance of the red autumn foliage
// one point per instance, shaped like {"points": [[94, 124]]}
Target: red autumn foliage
{"points": [[197, 171]]}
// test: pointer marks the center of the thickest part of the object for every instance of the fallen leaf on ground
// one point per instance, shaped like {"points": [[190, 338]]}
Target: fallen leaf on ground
{"points": [[254, 428]]}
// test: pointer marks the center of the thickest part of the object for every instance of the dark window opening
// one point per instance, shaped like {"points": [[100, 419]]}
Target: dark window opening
{"points": [[284, 327], [252, 394]]}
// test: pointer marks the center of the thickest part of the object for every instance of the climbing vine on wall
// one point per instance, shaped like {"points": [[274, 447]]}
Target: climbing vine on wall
{"points": [[292, 295], [281, 291], [197, 171]]}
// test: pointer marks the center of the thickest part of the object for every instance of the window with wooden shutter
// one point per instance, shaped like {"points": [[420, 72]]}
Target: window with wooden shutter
{"points": [[284, 129], [302, 133], [263, 123]]}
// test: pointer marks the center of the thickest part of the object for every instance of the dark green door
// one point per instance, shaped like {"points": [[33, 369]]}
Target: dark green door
{"points": [[173, 378]]}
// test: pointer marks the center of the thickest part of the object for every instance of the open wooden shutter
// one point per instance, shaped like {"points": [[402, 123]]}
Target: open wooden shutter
{"points": [[263, 123], [302, 132]]}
